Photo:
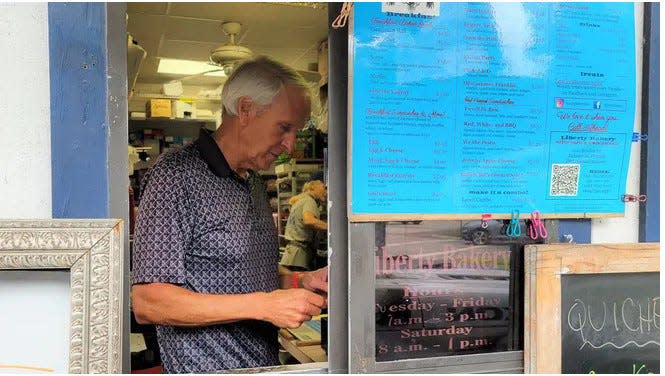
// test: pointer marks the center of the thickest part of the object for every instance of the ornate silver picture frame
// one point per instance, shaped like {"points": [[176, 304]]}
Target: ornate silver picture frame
{"points": [[92, 250]]}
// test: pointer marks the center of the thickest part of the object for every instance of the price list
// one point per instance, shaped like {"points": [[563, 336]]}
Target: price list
{"points": [[469, 108]]}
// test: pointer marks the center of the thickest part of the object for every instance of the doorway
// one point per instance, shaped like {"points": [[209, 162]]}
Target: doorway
{"points": [[179, 55]]}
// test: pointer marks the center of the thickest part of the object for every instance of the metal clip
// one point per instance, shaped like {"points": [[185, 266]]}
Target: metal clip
{"points": [[633, 198], [483, 220], [637, 137], [514, 230], [537, 227]]}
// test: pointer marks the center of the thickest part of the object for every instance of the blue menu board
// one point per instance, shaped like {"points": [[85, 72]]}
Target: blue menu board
{"points": [[460, 109]]}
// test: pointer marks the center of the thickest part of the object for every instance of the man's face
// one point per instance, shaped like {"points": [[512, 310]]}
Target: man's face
{"points": [[272, 130]]}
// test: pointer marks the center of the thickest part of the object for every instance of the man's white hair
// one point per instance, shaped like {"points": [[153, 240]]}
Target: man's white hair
{"points": [[261, 79]]}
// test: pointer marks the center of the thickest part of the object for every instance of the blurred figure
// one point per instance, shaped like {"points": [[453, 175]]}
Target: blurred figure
{"points": [[302, 225]]}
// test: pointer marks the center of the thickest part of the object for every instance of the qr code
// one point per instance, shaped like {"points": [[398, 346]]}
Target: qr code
{"points": [[565, 179]]}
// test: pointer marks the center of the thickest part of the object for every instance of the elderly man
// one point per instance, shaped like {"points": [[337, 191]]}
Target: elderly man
{"points": [[205, 251]]}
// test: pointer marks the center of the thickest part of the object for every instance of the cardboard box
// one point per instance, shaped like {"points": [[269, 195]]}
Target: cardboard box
{"points": [[158, 108], [180, 106], [137, 115]]}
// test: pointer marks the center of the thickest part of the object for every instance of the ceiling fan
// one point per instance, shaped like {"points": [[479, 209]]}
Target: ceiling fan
{"points": [[228, 55], [225, 57]]}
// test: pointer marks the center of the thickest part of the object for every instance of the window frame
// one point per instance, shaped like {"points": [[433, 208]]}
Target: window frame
{"points": [[362, 346]]}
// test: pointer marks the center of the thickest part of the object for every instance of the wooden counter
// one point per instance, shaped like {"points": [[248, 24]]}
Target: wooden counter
{"points": [[305, 351]]}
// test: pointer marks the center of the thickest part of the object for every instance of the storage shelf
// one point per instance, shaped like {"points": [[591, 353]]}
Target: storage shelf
{"points": [[138, 124], [297, 177], [298, 165], [169, 121]]}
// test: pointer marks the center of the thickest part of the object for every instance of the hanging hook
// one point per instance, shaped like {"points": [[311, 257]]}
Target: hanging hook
{"points": [[340, 21]]}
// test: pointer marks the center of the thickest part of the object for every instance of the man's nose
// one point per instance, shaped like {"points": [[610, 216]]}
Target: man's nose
{"points": [[289, 142]]}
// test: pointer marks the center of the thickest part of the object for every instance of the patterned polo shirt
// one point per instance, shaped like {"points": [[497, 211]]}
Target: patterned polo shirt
{"points": [[206, 229]]}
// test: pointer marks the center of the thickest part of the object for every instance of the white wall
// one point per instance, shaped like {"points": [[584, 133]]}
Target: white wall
{"points": [[626, 229], [36, 316], [25, 129]]}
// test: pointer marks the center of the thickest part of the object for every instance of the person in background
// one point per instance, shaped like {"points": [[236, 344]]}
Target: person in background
{"points": [[205, 260], [302, 225]]}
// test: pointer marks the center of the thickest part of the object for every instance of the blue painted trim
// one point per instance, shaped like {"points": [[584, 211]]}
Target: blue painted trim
{"points": [[650, 174], [79, 129], [580, 229]]}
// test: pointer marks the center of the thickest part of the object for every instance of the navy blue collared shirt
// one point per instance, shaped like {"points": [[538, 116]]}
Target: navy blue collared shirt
{"points": [[206, 229]]}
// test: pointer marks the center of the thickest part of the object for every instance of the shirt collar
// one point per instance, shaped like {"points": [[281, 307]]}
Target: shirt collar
{"points": [[212, 154]]}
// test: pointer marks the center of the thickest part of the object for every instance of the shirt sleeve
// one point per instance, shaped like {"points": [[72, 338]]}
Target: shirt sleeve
{"points": [[311, 206], [162, 229]]}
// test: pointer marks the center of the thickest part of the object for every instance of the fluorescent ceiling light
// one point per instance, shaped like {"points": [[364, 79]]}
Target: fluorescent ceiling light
{"points": [[175, 66], [219, 73]]}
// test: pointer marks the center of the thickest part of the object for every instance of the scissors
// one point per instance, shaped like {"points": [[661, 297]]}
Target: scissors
{"points": [[514, 230], [537, 227]]}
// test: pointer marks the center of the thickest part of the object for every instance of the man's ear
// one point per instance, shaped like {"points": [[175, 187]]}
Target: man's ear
{"points": [[245, 109]]}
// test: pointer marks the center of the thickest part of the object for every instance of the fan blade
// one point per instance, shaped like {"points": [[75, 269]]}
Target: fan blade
{"points": [[185, 78], [309, 76]]}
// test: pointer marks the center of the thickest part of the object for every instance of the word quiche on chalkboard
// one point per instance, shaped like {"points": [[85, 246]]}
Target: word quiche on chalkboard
{"points": [[610, 323], [592, 308]]}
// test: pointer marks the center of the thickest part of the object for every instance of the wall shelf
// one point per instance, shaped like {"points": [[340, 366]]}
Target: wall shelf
{"points": [[139, 124]]}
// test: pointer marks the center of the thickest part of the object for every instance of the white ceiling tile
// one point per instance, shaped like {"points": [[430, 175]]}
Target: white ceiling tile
{"points": [[216, 11], [287, 37], [146, 26], [196, 30], [148, 8], [288, 56], [288, 33], [186, 50], [147, 30]]}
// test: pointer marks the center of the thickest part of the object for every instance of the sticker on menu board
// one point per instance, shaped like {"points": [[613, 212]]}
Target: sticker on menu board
{"points": [[470, 108], [424, 9]]}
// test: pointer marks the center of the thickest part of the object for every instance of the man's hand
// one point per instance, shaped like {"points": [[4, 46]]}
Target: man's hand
{"points": [[290, 308], [316, 281]]}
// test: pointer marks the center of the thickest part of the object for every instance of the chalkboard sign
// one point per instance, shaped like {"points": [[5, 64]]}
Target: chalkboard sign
{"points": [[610, 323], [592, 308]]}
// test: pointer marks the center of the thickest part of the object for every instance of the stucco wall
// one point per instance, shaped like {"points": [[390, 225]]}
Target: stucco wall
{"points": [[25, 129]]}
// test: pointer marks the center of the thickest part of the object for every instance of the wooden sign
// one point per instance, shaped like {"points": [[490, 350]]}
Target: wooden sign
{"points": [[592, 308]]}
